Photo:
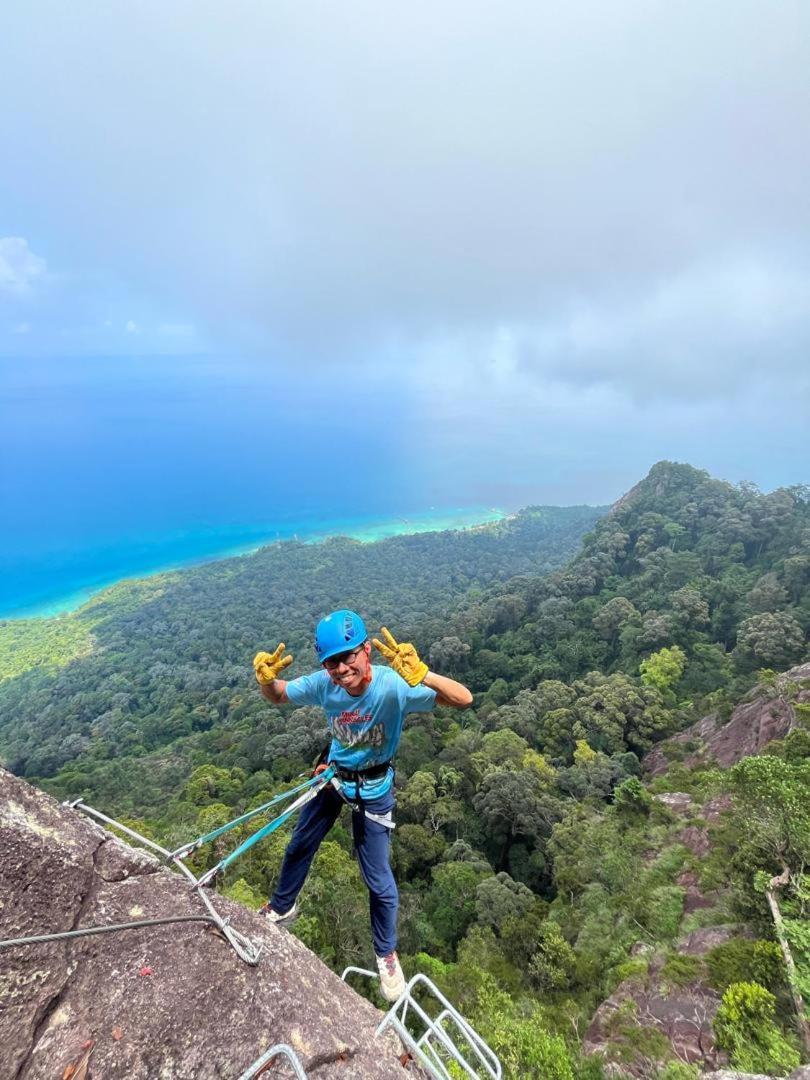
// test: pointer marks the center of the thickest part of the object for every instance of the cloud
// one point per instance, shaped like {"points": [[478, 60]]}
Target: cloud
{"points": [[22, 328], [20, 268], [359, 179], [131, 327], [705, 332]]}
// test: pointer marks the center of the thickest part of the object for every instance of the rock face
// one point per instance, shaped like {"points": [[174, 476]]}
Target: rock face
{"points": [[171, 1002], [651, 1005], [753, 724]]}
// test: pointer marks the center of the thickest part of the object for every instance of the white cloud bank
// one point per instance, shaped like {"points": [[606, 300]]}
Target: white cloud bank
{"points": [[709, 331]]}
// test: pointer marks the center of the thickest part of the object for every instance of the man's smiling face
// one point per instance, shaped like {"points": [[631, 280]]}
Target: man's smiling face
{"points": [[351, 669]]}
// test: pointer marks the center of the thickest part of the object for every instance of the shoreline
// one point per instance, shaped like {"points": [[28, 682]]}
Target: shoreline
{"points": [[364, 531]]}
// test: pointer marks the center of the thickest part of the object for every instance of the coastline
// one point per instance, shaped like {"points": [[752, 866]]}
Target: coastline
{"points": [[365, 531]]}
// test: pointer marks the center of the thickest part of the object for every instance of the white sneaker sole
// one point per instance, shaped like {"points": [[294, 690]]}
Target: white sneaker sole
{"points": [[283, 920]]}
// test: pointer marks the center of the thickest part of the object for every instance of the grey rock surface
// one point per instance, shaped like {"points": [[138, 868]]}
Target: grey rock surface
{"points": [[164, 1003], [723, 1074], [678, 802], [702, 941]]}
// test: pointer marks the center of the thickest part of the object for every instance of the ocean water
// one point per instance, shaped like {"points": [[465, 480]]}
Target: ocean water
{"points": [[57, 583], [115, 468]]}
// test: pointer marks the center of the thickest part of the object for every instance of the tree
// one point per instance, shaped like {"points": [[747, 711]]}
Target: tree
{"points": [[632, 799], [691, 606], [415, 801], [499, 898], [416, 850], [774, 798], [615, 614], [663, 669], [212, 784], [502, 747], [768, 594], [522, 1043], [774, 638], [553, 963], [450, 903], [614, 714], [449, 655], [515, 803], [745, 1028]]}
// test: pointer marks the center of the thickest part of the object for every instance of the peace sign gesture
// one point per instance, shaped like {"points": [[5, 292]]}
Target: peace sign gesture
{"points": [[402, 657], [268, 666]]}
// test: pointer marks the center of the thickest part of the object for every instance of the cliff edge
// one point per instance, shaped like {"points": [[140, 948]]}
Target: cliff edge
{"points": [[170, 1001]]}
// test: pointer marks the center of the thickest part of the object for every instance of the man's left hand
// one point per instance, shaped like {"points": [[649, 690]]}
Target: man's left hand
{"points": [[402, 657]]}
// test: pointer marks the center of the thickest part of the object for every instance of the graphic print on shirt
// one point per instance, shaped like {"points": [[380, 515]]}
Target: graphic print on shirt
{"points": [[356, 730]]}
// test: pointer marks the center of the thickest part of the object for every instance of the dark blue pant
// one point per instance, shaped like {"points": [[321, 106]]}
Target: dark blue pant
{"points": [[372, 843]]}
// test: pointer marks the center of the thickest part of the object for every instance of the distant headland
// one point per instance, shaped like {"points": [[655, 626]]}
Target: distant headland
{"points": [[179, 550]]}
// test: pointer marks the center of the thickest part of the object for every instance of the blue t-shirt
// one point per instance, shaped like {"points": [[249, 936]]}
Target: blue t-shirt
{"points": [[365, 730]]}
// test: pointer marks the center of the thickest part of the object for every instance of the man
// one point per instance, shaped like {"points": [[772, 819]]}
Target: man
{"points": [[365, 705]]}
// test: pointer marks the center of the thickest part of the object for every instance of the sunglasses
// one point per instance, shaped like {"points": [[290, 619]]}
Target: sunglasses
{"points": [[342, 658]]}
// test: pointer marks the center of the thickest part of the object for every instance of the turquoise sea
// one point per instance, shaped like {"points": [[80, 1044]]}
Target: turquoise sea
{"points": [[118, 467], [64, 582]]}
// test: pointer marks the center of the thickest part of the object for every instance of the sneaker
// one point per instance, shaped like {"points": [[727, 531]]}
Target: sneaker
{"points": [[276, 917], [392, 979]]}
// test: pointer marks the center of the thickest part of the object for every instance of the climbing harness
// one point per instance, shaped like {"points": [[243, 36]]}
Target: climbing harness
{"points": [[442, 1043], [357, 805]]}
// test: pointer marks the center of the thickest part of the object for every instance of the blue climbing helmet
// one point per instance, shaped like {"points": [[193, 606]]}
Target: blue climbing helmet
{"points": [[339, 632]]}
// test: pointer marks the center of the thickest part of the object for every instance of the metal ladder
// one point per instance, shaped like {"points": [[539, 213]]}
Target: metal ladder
{"points": [[439, 1040]]}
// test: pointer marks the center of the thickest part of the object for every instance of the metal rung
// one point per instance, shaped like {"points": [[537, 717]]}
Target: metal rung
{"points": [[281, 1050], [435, 1047]]}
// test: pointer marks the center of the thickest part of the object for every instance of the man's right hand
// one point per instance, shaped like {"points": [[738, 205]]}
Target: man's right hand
{"points": [[268, 666]]}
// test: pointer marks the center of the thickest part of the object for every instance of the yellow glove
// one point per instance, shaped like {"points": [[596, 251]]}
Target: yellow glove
{"points": [[269, 665], [403, 658]]}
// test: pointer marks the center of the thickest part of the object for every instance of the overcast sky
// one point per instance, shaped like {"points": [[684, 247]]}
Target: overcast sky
{"points": [[575, 237]]}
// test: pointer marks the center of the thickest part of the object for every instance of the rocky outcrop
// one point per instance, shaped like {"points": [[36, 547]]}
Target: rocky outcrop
{"points": [[767, 714], [651, 1005], [171, 1002], [697, 840]]}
